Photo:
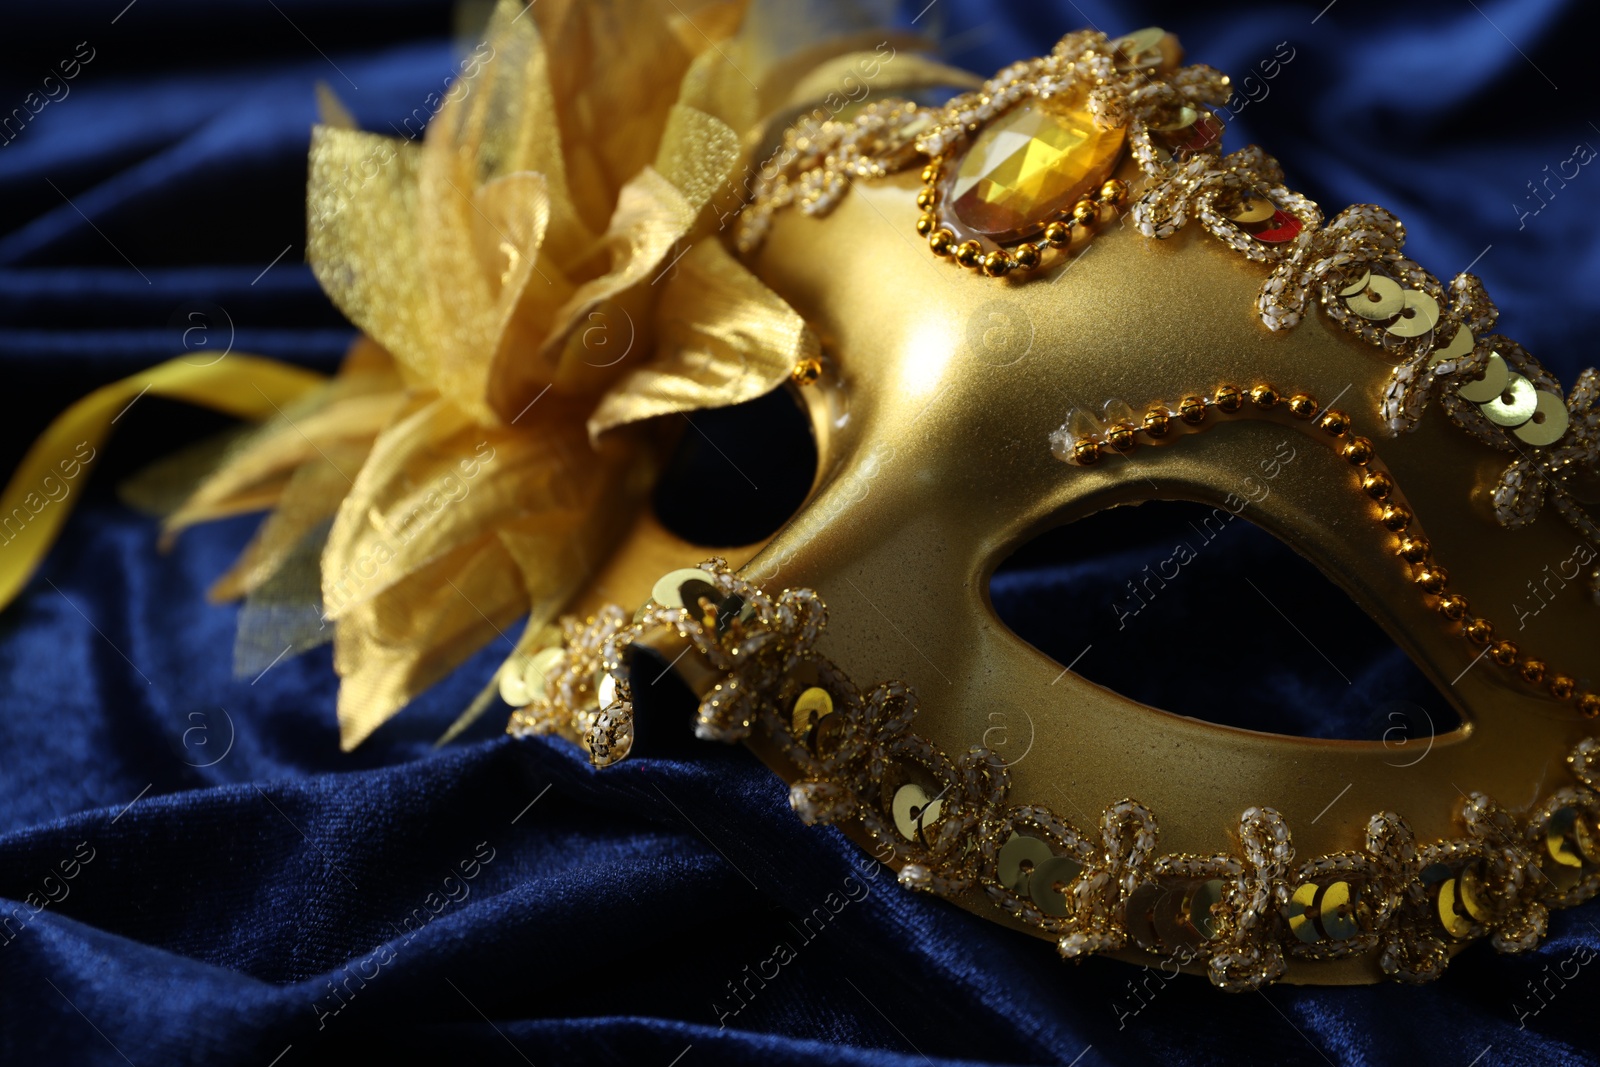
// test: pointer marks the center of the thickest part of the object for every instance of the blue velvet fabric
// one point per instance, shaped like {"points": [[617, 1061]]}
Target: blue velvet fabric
{"points": [[213, 882]]}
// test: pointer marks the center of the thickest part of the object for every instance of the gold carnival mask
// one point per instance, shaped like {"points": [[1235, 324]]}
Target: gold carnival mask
{"points": [[1049, 296], [978, 306]]}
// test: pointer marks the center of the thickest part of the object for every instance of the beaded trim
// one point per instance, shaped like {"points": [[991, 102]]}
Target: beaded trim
{"points": [[1244, 913], [1354, 266]]}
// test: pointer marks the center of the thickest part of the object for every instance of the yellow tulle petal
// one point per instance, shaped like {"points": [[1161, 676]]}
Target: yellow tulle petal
{"points": [[702, 26], [614, 67], [292, 438], [309, 497], [393, 646], [652, 216], [444, 500], [723, 338]]}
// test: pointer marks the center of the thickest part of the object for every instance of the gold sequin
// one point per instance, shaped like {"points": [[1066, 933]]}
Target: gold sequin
{"points": [[1206, 896], [1569, 840], [1471, 893], [1548, 424], [1423, 317], [1140, 915], [1302, 913], [1181, 916], [810, 708], [1139, 49], [1515, 405], [682, 589], [1451, 916], [1253, 209], [522, 677], [512, 689], [1460, 345], [538, 669], [1381, 299], [1333, 912], [1340, 911], [1357, 286], [1020, 856], [913, 811], [1495, 376], [1049, 880]]}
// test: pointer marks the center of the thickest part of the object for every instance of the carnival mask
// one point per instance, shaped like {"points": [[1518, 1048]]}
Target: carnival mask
{"points": [[1054, 295]]}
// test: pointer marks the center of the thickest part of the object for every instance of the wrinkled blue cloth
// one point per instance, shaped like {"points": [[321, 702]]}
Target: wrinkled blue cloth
{"points": [[213, 882]]}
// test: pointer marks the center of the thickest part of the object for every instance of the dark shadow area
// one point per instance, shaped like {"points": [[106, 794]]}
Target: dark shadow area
{"points": [[738, 473]]}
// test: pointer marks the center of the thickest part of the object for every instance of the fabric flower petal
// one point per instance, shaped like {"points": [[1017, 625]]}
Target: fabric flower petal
{"points": [[724, 338]]}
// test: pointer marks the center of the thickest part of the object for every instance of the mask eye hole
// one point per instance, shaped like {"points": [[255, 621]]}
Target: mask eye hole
{"points": [[1186, 608], [737, 473]]}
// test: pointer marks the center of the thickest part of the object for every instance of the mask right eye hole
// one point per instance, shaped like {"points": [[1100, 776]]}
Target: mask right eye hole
{"points": [[1201, 613]]}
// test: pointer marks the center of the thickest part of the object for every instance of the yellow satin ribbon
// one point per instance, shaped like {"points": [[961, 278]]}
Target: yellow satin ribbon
{"points": [[247, 387]]}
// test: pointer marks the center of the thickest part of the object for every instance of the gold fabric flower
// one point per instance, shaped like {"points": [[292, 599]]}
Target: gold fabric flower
{"points": [[545, 268]]}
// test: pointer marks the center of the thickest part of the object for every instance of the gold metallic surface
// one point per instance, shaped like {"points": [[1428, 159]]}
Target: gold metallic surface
{"points": [[1470, 891], [1460, 344], [513, 690], [1339, 911], [1357, 286], [942, 467], [1558, 838], [536, 671], [1141, 47]]}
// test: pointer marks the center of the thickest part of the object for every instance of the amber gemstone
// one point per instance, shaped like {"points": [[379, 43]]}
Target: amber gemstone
{"points": [[1030, 164]]}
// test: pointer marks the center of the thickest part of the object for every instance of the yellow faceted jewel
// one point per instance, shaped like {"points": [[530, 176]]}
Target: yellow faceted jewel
{"points": [[1026, 166]]}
